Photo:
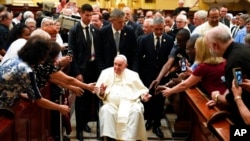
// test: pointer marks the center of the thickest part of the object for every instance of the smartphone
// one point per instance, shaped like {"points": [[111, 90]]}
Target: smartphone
{"points": [[183, 64], [70, 53], [237, 73]]}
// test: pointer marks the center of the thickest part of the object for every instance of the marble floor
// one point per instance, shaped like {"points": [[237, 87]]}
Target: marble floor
{"points": [[151, 136]]}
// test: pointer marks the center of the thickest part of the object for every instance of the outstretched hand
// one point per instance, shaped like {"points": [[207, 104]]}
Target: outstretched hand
{"points": [[154, 84], [164, 90], [92, 88], [146, 97], [64, 109], [160, 88], [76, 90]]}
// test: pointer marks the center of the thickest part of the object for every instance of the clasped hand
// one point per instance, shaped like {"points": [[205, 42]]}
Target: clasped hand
{"points": [[146, 97], [164, 90]]}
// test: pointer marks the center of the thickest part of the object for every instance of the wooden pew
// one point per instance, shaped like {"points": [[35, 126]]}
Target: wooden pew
{"points": [[25, 121], [207, 123], [6, 124]]}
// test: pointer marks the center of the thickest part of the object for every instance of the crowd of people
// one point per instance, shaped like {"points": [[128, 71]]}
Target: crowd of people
{"points": [[133, 58]]}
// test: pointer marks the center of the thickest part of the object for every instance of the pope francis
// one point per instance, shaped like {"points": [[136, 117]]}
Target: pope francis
{"points": [[121, 116]]}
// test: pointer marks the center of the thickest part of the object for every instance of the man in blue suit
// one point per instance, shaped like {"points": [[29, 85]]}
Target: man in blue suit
{"points": [[152, 54], [83, 41], [116, 38]]}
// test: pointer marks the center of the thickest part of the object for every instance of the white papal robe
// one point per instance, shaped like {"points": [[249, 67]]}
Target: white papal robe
{"points": [[121, 116]]}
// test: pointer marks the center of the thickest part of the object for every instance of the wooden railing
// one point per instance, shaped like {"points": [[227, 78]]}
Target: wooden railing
{"points": [[25, 121], [208, 123]]}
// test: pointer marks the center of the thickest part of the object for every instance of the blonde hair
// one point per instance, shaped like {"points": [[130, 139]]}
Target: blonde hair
{"points": [[203, 55]]}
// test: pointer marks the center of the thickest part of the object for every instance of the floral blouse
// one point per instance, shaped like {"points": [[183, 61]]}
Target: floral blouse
{"points": [[16, 77], [43, 72]]}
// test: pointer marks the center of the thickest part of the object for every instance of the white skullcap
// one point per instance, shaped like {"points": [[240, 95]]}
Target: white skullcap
{"points": [[123, 57]]}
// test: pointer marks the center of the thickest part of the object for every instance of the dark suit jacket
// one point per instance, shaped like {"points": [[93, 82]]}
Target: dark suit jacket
{"points": [[135, 28], [78, 44], [105, 22], [148, 63], [133, 25], [226, 21], [107, 51]]}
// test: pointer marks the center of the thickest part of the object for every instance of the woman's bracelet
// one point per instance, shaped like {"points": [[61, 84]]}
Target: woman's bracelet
{"points": [[237, 97]]}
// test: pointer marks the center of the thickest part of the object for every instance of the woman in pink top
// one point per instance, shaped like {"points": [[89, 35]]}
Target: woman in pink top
{"points": [[209, 72]]}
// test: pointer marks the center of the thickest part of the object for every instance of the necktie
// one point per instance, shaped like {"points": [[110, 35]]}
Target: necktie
{"points": [[117, 40], [158, 45], [88, 39]]}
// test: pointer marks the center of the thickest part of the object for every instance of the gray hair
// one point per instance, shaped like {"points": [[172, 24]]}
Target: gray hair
{"points": [[30, 20], [158, 20], [28, 14], [149, 21], [46, 20], [244, 16], [117, 13], [202, 14], [182, 17]]}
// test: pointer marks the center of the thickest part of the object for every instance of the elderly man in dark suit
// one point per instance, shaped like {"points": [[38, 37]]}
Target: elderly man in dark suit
{"points": [[129, 21], [128, 18], [83, 41], [152, 54], [116, 38]]}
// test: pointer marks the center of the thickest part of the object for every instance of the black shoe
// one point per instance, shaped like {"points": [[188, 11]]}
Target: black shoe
{"points": [[158, 132], [65, 138], [79, 136], [110, 139], [148, 125], [86, 128], [57, 138]]}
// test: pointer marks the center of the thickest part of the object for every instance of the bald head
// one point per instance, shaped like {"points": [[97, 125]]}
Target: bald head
{"points": [[219, 33], [218, 39], [41, 33], [181, 3], [127, 12]]}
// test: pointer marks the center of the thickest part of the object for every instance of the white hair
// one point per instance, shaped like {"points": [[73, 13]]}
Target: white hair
{"points": [[28, 14], [46, 20], [149, 21], [30, 20], [182, 17], [229, 15], [201, 14]]}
